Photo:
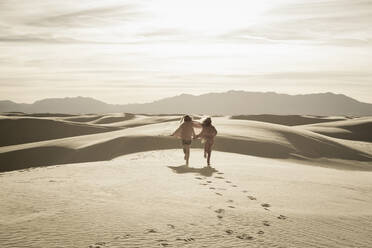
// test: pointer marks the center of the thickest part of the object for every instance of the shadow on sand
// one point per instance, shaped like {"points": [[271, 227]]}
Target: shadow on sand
{"points": [[205, 171]]}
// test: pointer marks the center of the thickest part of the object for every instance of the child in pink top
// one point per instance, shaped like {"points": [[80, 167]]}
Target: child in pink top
{"points": [[207, 135]]}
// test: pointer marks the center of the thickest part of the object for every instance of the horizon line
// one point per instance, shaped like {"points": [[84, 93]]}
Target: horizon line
{"points": [[221, 92]]}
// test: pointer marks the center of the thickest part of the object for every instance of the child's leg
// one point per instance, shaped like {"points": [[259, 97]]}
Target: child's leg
{"points": [[209, 152], [187, 154], [205, 150], [209, 157]]}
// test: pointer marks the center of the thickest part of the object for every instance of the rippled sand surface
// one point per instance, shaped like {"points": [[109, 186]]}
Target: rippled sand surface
{"points": [[149, 199]]}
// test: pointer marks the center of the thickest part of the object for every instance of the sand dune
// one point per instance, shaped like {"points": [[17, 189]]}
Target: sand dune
{"points": [[141, 120], [84, 118], [36, 114], [277, 141], [20, 130], [106, 119], [236, 136], [149, 199], [358, 129], [120, 181], [287, 120]]}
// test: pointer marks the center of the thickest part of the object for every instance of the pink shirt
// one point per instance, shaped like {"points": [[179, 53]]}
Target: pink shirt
{"points": [[208, 133]]}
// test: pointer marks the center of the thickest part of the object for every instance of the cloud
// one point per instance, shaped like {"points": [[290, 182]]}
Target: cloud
{"points": [[320, 75], [65, 21], [322, 8], [37, 39], [88, 17], [340, 23], [316, 76]]}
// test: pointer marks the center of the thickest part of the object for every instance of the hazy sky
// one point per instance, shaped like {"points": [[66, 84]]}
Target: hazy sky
{"points": [[139, 51]]}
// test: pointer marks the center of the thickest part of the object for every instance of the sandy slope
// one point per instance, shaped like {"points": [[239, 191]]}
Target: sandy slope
{"points": [[20, 130], [149, 200], [145, 133], [127, 187], [288, 120], [357, 129]]}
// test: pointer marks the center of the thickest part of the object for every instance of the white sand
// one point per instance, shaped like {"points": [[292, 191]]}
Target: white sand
{"points": [[148, 199], [138, 201]]}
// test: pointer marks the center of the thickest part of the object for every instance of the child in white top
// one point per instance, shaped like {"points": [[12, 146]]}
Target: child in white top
{"points": [[186, 132]]}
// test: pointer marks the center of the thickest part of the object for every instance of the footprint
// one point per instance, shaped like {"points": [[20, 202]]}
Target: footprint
{"points": [[265, 223], [260, 232], [231, 206], [122, 237], [217, 193], [219, 216], [209, 181], [228, 231], [164, 244], [220, 211], [234, 185], [204, 184], [245, 191], [244, 236], [252, 198], [125, 236], [212, 188], [228, 181], [219, 177], [98, 245], [151, 231], [188, 239], [282, 217], [171, 226], [220, 173], [199, 178], [231, 201], [265, 205]]}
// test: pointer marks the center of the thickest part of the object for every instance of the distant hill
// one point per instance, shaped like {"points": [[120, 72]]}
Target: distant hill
{"points": [[68, 105], [227, 103]]}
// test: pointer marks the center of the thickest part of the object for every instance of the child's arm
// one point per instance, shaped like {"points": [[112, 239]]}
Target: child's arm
{"points": [[193, 133], [178, 131], [199, 135], [214, 131]]}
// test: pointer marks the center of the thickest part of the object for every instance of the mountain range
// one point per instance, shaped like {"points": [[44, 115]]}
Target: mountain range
{"points": [[226, 103]]}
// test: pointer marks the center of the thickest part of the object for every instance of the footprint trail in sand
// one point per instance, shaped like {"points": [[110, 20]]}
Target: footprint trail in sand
{"points": [[222, 213], [225, 210]]}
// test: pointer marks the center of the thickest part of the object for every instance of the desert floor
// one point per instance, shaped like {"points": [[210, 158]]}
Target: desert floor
{"points": [[123, 183]]}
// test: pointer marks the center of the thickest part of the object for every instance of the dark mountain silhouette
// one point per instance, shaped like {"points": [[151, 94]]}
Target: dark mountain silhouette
{"points": [[227, 103], [68, 105]]}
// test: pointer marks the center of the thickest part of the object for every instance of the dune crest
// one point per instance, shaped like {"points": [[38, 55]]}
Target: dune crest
{"points": [[146, 133]]}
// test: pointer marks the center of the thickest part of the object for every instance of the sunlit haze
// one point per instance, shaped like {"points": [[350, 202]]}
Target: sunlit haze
{"points": [[140, 51]]}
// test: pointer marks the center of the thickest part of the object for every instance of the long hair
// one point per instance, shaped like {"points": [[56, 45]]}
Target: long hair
{"points": [[207, 122], [186, 118]]}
